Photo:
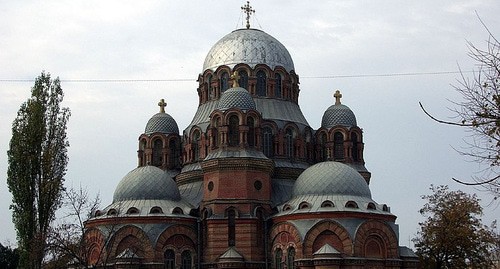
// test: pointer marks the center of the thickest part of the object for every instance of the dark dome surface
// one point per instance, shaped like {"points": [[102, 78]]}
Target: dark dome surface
{"points": [[161, 123], [236, 98], [331, 178], [147, 183], [338, 114]]}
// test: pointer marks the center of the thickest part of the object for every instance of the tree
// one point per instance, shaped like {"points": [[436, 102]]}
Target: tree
{"points": [[8, 257], [66, 241], [452, 235], [479, 112], [37, 159]]}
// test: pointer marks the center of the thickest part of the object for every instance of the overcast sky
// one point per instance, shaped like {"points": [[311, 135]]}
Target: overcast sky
{"points": [[365, 48]]}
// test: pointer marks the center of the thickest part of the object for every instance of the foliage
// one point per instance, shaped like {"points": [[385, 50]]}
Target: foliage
{"points": [[452, 236], [9, 257], [479, 112], [37, 165]]}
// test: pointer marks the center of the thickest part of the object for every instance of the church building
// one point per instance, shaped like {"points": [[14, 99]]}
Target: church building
{"points": [[248, 184]]}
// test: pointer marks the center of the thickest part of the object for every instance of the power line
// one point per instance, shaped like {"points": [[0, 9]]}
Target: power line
{"points": [[193, 80]]}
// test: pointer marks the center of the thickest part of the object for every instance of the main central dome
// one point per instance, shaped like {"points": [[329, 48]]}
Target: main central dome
{"points": [[250, 46]]}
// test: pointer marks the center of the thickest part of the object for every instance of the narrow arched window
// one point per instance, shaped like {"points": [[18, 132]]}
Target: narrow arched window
{"points": [[224, 82], [355, 149], [267, 142], [195, 145], [169, 259], [323, 152], [211, 94], [278, 85], [290, 258], [278, 259], [157, 152], [186, 260], [251, 132], [338, 146], [173, 154], [231, 227], [243, 81], [233, 134], [261, 83], [142, 152], [289, 143]]}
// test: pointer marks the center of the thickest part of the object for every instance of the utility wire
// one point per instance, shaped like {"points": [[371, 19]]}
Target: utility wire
{"points": [[193, 80]]}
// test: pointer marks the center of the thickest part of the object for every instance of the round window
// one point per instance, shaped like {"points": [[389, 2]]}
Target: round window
{"points": [[258, 185]]}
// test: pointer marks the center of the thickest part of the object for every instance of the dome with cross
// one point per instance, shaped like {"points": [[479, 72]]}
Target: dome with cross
{"points": [[338, 114], [161, 122]]}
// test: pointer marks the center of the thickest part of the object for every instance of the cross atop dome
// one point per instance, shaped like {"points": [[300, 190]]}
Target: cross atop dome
{"points": [[162, 104], [249, 11], [337, 96], [235, 78]]}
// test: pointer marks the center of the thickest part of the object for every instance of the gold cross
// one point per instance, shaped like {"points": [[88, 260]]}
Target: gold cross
{"points": [[337, 96], [162, 105], [235, 78], [248, 10]]}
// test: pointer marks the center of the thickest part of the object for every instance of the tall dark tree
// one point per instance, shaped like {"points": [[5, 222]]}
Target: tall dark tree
{"points": [[37, 165], [452, 235], [479, 113]]}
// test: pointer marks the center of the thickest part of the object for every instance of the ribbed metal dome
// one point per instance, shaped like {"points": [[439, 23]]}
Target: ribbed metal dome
{"points": [[161, 123], [249, 46], [236, 98], [147, 183], [331, 178]]}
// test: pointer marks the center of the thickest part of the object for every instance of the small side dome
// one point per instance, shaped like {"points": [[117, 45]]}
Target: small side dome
{"points": [[161, 122], [338, 114], [236, 97], [331, 178], [147, 183]]}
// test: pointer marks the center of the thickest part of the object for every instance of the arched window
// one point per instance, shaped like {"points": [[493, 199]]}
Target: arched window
{"points": [[211, 94], [224, 82], [251, 132], [142, 152], [169, 259], [233, 134], [157, 152], [195, 145], [243, 81], [278, 258], [323, 152], [289, 143], [216, 132], [177, 211], [355, 150], [133, 210], [186, 260], [231, 227], [267, 141], [261, 83], [338, 146], [290, 258], [156, 210], [173, 154], [278, 85]]}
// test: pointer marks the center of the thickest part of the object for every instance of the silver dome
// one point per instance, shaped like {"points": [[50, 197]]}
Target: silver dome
{"points": [[161, 123], [147, 183], [338, 114], [236, 98], [331, 178], [249, 46]]}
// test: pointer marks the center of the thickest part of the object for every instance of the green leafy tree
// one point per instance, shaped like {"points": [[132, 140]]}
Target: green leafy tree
{"points": [[8, 257], [452, 235], [37, 165]]}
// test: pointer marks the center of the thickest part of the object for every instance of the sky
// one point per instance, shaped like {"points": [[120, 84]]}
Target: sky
{"points": [[385, 56]]}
